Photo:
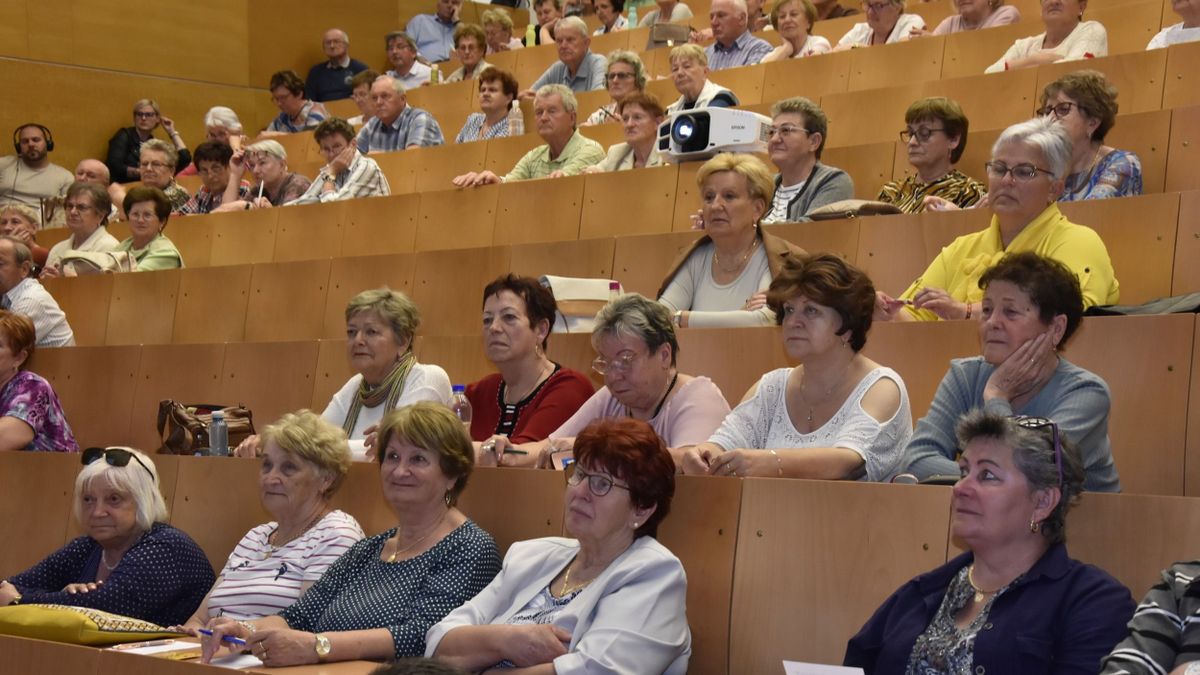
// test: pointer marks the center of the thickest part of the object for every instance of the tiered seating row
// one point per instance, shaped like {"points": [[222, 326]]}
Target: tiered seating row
{"points": [[846, 546]]}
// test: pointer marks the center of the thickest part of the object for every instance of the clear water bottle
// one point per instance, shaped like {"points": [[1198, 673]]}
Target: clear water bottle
{"points": [[633, 17], [516, 119], [461, 406], [218, 435]]}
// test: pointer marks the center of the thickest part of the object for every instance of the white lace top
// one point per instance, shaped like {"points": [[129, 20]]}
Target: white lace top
{"points": [[762, 422]]}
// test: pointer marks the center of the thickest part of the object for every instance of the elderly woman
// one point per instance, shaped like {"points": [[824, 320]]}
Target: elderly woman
{"points": [[21, 223], [498, 91], [360, 93], [1031, 307], [469, 45], [124, 148], [612, 19], [624, 76], [667, 11], [31, 417], [837, 416], [722, 279], [379, 599], [1014, 602], [1187, 30], [935, 137], [531, 396], [887, 23], [221, 125], [148, 211], [637, 349], [1085, 104], [977, 15], [304, 463], [87, 206], [213, 162], [156, 163], [129, 562], [1067, 38], [793, 20], [498, 31], [1025, 175], [610, 599], [267, 161], [641, 114], [689, 72]]}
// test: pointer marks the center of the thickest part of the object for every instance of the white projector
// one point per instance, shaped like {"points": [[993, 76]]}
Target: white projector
{"points": [[690, 135]]}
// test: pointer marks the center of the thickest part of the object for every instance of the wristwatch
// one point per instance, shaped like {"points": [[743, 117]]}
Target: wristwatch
{"points": [[322, 647]]}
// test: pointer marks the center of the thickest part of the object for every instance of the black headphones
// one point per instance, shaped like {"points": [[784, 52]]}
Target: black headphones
{"points": [[45, 133]]}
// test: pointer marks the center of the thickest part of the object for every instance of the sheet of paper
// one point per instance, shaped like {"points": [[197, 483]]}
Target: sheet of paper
{"points": [[240, 661], [799, 668], [169, 646]]}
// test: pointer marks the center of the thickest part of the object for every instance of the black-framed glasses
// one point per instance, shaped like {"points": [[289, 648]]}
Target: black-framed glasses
{"points": [[599, 484], [145, 115], [114, 457], [1021, 172], [1039, 423], [922, 134], [1059, 110]]}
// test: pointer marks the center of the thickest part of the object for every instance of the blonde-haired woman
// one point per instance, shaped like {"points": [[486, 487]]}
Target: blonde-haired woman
{"points": [[722, 279], [22, 223], [793, 20]]}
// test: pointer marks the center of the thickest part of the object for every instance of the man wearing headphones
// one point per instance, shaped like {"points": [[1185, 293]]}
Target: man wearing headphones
{"points": [[28, 177]]}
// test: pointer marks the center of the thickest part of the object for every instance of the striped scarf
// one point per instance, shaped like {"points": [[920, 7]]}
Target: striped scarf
{"points": [[388, 391]]}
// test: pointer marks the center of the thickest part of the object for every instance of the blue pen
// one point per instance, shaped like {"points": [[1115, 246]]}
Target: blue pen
{"points": [[225, 638]]}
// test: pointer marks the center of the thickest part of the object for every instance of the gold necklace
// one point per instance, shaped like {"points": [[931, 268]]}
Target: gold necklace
{"points": [[825, 398], [274, 548], [980, 594], [745, 257], [566, 590], [406, 549]]}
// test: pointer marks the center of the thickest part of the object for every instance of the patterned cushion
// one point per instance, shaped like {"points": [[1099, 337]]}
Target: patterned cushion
{"points": [[76, 625]]}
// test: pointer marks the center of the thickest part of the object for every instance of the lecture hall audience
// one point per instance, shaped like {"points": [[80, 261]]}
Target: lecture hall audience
{"points": [[689, 73], [1067, 38], [31, 416], [29, 177], [498, 91], [797, 137], [793, 20], [935, 137], [577, 67], [624, 75], [129, 561], [640, 114], [887, 23], [610, 598], [396, 125], [124, 148], [1014, 602], [148, 210], [1031, 307], [330, 79], [349, 173], [469, 45], [296, 113], [402, 57], [734, 45], [380, 598]]}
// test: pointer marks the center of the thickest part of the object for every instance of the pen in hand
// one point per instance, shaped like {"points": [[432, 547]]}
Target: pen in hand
{"points": [[225, 638]]}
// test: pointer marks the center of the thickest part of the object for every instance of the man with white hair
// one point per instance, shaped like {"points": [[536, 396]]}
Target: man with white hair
{"points": [[566, 152], [577, 67], [734, 45], [20, 293], [330, 79], [396, 125], [434, 33], [402, 56]]}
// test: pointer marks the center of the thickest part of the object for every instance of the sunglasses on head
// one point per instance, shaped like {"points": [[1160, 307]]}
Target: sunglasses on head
{"points": [[114, 457], [1039, 423]]}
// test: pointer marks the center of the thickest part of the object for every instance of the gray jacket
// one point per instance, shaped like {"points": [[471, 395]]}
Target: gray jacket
{"points": [[825, 185]]}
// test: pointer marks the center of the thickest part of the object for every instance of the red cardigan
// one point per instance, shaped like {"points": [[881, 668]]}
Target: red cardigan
{"points": [[554, 403]]}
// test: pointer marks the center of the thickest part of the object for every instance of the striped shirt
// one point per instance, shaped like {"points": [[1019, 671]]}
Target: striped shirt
{"points": [[363, 178], [310, 116], [257, 582], [413, 126], [909, 194], [473, 129], [1165, 630]]}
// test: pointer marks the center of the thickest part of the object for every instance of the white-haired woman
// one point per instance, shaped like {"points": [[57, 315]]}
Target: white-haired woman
{"points": [[222, 125], [21, 223], [625, 75], [267, 160], [129, 562], [887, 23], [689, 73]]}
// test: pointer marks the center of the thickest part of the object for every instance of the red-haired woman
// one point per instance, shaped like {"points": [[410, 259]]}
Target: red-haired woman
{"points": [[610, 599], [31, 418]]}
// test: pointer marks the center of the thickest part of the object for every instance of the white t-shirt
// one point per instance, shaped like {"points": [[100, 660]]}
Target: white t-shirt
{"points": [[1088, 40], [1173, 35], [779, 206], [424, 383], [861, 33]]}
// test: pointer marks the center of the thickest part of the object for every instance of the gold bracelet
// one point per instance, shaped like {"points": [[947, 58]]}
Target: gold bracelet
{"points": [[779, 461]]}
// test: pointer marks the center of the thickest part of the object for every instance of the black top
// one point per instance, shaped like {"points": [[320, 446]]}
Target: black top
{"points": [[330, 83], [124, 153]]}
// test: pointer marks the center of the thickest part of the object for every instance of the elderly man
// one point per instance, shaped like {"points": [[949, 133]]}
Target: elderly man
{"points": [[96, 172], [434, 33], [396, 125], [402, 55], [22, 294], [349, 174], [803, 184], [296, 113], [330, 80], [566, 152], [212, 163], [734, 45], [28, 177], [577, 67]]}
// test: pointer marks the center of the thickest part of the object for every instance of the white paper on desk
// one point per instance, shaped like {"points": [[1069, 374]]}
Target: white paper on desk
{"points": [[237, 661], [798, 668], [173, 645]]}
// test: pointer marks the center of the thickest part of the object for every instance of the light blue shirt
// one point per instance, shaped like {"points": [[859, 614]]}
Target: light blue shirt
{"points": [[434, 37], [746, 50], [413, 126], [589, 76]]}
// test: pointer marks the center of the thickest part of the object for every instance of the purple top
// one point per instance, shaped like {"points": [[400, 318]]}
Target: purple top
{"points": [[30, 398]]}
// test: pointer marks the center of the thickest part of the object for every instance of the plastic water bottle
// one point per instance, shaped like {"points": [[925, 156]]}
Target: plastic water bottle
{"points": [[461, 406], [218, 435], [530, 35], [633, 19], [614, 290], [516, 119]]}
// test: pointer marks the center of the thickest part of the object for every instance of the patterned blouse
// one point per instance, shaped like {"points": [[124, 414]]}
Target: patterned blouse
{"points": [[474, 125], [30, 398], [1118, 174], [543, 609], [944, 648], [909, 194]]}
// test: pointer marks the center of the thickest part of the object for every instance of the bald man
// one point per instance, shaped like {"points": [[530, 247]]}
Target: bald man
{"points": [[330, 80], [95, 171]]}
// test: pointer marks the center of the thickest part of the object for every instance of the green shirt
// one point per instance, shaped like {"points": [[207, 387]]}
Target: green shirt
{"points": [[579, 152], [159, 254]]}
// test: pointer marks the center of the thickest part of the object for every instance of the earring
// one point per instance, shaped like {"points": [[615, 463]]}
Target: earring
{"points": [[635, 525], [447, 498], [1034, 526]]}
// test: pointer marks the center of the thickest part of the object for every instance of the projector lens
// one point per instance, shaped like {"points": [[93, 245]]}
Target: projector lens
{"points": [[683, 129]]}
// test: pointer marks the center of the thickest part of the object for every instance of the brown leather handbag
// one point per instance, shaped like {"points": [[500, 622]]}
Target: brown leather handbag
{"points": [[184, 428]]}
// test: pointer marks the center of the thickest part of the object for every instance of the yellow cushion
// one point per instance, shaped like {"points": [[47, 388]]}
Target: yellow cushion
{"points": [[76, 625]]}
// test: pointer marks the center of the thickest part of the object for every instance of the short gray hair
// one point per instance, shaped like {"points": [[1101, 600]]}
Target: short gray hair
{"points": [[397, 85], [21, 252], [159, 145], [393, 307], [634, 61], [399, 35], [634, 315], [570, 103], [132, 480], [572, 22], [1044, 134], [226, 118], [1034, 456], [268, 147]]}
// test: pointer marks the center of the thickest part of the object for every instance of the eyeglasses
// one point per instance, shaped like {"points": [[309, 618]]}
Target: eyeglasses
{"points": [[599, 484], [145, 115], [875, 6], [1039, 423], [785, 130], [623, 362], [1059, 110], [1020, 172], [922, 134], [152, 165], [114, 457], [618, 76], [71, 207]]}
